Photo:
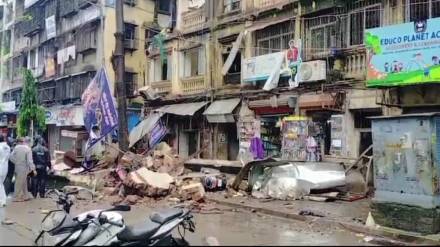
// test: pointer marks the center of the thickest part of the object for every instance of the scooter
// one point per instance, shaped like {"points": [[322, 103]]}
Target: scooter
{"points": [[107, 227]]}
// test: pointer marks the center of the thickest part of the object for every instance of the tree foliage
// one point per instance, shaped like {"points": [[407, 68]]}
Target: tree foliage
{"points": [[30, 110], [372, 43]]}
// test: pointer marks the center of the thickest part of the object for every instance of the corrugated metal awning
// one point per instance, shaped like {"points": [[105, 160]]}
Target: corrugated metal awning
{"points": [[222, 107], [186, 109], [221, 111], [143, 128]]}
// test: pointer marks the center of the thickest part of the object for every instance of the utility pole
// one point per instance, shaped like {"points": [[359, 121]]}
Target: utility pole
{"points": [[119, 68]]}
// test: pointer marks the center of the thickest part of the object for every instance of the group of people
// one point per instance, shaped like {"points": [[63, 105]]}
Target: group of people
{"points": [[21, 160]]}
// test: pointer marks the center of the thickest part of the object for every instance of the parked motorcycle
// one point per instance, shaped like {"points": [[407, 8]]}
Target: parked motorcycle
{"points": [[107, 227]]}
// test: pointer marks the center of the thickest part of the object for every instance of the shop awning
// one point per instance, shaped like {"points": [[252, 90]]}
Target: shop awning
{"points": [[143, 128], [186, 109], [221, 111]]}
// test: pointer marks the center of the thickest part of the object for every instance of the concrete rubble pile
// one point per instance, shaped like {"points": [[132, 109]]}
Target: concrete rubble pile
{"points": [[157, 175]]}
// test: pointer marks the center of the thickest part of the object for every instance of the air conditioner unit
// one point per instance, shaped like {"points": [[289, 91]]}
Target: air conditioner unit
{"points": [[313, 71]]}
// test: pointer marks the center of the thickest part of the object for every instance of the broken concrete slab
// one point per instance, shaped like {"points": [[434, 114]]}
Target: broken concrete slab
{"points": [[143, 176], [193, 191]]}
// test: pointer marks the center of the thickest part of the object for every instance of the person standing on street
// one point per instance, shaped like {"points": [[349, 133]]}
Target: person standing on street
{"points": [[5, 151], [41, 157], [24, 164], [9, 185]]}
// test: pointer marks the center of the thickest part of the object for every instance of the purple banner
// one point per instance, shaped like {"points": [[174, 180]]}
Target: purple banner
{"points": [[157, 133], [100, 116]]}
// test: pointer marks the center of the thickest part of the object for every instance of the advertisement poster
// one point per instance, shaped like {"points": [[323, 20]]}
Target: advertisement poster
{"points": [[404, 54], [271, 66], [100, 116]]}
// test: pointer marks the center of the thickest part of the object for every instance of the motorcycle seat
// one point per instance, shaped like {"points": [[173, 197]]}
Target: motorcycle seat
{"points": [[138, 232], [164, 216]]}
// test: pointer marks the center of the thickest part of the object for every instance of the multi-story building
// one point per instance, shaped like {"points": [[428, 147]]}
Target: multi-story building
{"points": [[228, 49], [64, 43]]}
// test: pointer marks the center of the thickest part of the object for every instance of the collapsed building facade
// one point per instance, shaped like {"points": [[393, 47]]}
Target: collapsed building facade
{"points": [[218, 83]]}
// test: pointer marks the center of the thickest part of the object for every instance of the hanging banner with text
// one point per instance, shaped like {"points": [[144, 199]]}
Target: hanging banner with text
{"points": [[100, 116], [403, 54]]}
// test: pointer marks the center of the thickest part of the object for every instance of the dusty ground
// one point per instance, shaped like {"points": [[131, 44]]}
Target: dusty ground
{"points": [[229, 226]]}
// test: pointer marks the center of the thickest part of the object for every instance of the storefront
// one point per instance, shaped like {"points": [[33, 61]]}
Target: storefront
{"points": [[65, 129], [287, 136], [221, 118], [269, 114], [8, 119], [187, 128]]}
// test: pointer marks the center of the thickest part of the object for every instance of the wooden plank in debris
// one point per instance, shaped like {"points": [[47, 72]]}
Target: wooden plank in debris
{"points": [[317, 198], [363, 155]]}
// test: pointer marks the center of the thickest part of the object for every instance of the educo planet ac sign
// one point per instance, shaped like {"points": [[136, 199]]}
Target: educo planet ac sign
{"points": [[404, 54]]}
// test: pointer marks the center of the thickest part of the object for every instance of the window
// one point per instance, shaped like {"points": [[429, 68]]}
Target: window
{"points": [[130, 31], [423, 9], [361, 19], [130, 2], [275, 38], [130, 83], [163, 6], [6, 47], [231, 5], [32, 59], [322, 38], [149, 35], [234, 73], [194, 62], [160, 70]]}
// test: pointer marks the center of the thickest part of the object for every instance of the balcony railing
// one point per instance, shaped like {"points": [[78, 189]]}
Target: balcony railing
{"points": [[193, 85], [355, 66], [35, 22], [193, 20], [161, 87]]}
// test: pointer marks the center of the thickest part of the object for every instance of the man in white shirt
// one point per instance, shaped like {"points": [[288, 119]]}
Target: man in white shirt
{"points": [[5, 151]]}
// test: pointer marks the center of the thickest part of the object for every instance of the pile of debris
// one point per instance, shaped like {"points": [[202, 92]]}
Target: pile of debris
{"points": [[159, 174]]}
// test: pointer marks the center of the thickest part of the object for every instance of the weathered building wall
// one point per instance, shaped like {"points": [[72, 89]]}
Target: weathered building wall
{"points": [[135, 60]]}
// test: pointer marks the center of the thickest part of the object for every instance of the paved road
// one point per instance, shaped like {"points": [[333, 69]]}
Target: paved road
{"points": [[230, 228]]}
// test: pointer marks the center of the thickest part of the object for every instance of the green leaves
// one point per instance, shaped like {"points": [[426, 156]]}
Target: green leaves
{"points": [[372, 42], [30, 110]]}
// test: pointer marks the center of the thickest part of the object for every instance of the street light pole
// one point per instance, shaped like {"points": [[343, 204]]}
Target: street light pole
{"points": [[118, 61]]}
